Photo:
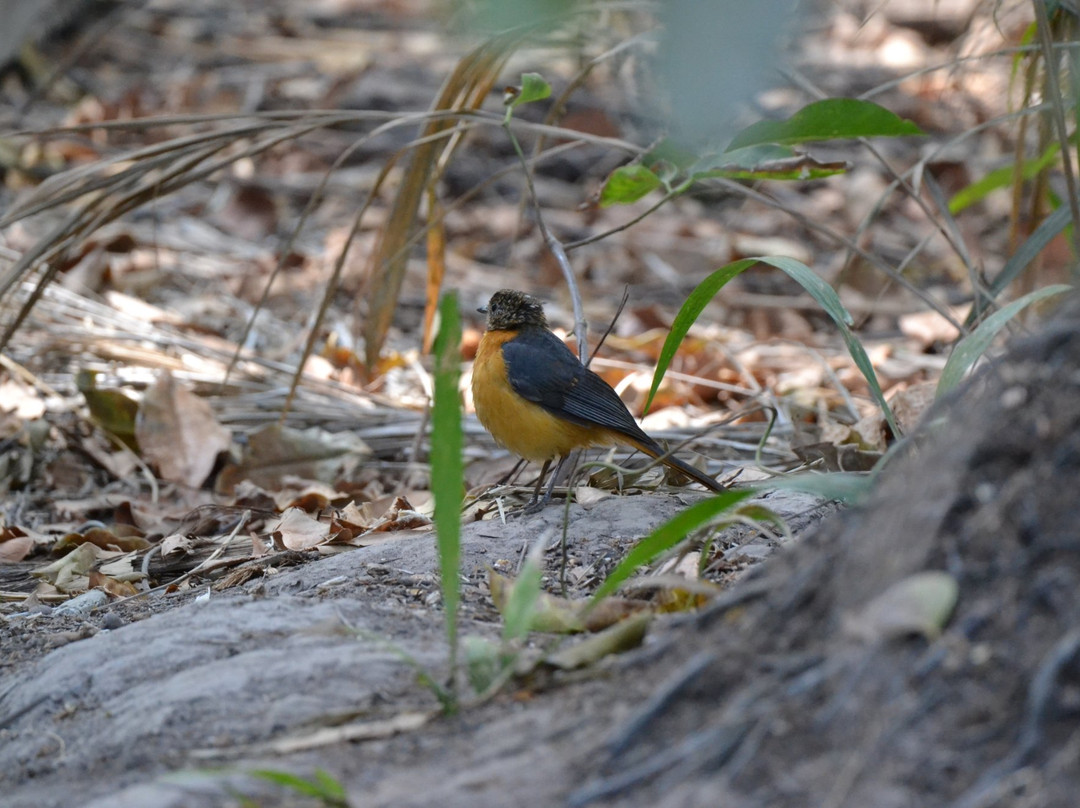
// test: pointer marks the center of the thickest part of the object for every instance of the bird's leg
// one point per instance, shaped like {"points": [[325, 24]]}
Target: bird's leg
{"points": [[538, 504], [513, 472], [535, 504], [555, 477]]}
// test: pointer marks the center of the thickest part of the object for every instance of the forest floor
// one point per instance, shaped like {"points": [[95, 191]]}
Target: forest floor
{"points": [[254, 593]]}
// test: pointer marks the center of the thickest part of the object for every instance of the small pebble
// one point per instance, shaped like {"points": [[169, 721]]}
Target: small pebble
{"points": [[83, 604]]}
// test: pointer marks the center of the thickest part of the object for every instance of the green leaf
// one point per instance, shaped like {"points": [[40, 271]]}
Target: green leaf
{"points": [[831, 119], [521, 607], [974, 345], [667, 536], [805, 277], [765, 161], [627, 184], [323, 786], [112, 410], [447, 473], [533, 88], [844, 486], [484, 661]]}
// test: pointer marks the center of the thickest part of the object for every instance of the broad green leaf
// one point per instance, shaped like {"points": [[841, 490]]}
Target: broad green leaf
{"points": [[805, 277], [533, 88], [627, 184], [974, 345], [1000, 178], [447, 474], [831, 119], [667, 536]]}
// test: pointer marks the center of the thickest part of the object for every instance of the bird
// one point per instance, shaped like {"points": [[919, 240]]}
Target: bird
{"points": [[540, 402]]}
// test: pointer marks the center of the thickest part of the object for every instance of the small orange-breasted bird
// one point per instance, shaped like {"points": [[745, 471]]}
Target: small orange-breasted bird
{"points": [[537, 400]]}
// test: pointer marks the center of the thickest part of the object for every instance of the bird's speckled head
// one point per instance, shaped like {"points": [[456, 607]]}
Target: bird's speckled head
{"points": [[509, 309]]}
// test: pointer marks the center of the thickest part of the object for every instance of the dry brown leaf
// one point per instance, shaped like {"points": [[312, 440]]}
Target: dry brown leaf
{"points": [[277, 452], [178, 433], [359, 527], [106, 539], [71, 573], [111, 586], [929, 327], [909, 404], [295, 530], [620, 637], [922, 604], [550, 613], [176, 543], [15, 549], [19, 402]]}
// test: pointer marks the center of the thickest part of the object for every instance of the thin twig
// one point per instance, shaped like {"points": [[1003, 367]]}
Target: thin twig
{"points": [[556, 248]]}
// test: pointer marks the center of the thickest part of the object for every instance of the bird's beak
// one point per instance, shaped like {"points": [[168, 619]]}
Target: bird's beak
{"points": [[482, 309]]}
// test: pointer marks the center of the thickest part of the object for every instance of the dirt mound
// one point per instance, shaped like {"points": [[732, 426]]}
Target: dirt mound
{"points": [[794, 689], [771, 698], [793, 709]]}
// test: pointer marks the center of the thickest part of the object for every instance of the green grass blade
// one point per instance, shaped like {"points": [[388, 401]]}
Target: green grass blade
{"points": [[667, 536], [805, 277], [1000, 178], [523, 597], [830, 119], [827, 298], [688, 314], [848, 487], [323, 786], [331, 788], [974, 345], [1035, 243], [447, 473]]}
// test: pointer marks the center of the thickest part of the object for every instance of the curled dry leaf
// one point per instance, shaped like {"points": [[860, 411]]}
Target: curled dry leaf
{"points": [[358, 526], [71, 573], [295, 530], [620, 637], [111, 586], [550, 613], [15, 549], [563, 615], [919, 604], [121, 537]]}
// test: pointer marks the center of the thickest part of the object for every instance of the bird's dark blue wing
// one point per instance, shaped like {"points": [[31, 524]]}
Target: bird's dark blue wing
{"points": [[541, 369]]}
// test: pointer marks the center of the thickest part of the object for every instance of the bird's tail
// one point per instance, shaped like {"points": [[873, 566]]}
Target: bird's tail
{"points": [[656, 451]]}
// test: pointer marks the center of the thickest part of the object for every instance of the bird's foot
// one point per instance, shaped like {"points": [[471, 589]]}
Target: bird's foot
{"points": [[533, 506]]}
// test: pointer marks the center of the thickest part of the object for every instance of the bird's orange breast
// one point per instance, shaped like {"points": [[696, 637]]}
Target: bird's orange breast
{"points": [[525, 428]]}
